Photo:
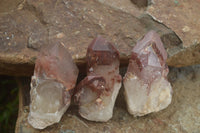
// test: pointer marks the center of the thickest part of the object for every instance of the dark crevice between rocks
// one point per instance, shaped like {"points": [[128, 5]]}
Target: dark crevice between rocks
{"points": [[8, 103], [142, 3]]}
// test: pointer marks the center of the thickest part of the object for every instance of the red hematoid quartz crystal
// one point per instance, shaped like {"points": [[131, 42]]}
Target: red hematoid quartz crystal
{"points": [[96, 93], [146, 87], [52, 85]]}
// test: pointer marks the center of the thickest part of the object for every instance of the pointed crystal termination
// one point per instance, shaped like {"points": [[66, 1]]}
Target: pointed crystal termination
{"points": [[52, 85], [146, 87], [96, 94]]}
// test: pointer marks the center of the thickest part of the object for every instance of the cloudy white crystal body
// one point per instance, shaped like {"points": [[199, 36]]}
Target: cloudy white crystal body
{"points": [[146, 87], [100, 109], [47, 105], [98, 91], [138, 100], [52, 84]]}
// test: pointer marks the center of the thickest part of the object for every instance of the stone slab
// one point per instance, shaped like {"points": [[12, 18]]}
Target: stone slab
{"points": [[31, 24]]}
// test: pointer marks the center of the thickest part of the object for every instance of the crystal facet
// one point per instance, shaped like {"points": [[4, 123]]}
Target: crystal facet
{"points": [[52, 85], [146, 87], [96, 94]]}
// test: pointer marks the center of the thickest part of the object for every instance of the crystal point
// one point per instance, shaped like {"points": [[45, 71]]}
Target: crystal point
{"points": [[52, 85], [146, 87], [96, 94]]}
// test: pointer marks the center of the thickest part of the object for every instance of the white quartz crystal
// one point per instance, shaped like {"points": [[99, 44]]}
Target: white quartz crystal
{"points": [[140, 101]]}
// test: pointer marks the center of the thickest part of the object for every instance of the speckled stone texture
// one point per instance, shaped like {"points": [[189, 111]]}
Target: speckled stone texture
{"points": [[29, 24], [51, 86]]}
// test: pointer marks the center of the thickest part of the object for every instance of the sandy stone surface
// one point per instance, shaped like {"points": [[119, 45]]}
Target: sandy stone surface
{"points": [[27, 25], [182, 17]]}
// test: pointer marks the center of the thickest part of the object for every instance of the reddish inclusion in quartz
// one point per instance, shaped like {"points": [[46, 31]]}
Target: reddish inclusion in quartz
{"points": [[101, 52], [52, 85], [96, 94], [55, 62], [148, 58], [95, 83], [146, 87]]}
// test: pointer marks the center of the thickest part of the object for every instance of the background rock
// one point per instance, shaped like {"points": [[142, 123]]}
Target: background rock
{"points": [[182, 17], [31, 24]]}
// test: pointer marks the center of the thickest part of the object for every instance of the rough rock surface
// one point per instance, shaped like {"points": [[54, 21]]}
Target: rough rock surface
{"points": [[182, 115], [146, 87], [30, 24], [181, 16], [96, 93], [52, 85]]}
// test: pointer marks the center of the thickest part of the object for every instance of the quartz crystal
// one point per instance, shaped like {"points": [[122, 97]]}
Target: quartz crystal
{"points": [[146, 86], [96, 93], [52, 85]]}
